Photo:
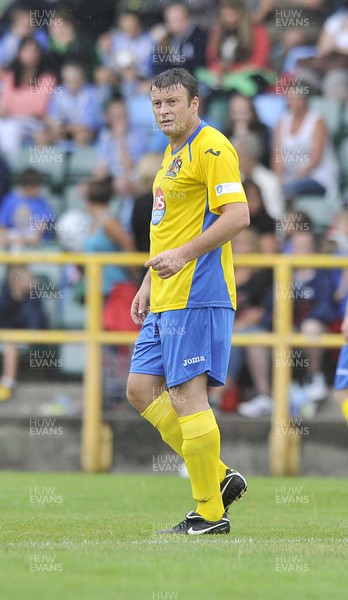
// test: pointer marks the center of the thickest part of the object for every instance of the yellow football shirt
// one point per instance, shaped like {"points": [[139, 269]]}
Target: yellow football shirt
{"points": [[189, 189]]}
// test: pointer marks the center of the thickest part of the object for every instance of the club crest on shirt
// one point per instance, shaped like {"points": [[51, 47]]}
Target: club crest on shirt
{"points": [[174, 167]]}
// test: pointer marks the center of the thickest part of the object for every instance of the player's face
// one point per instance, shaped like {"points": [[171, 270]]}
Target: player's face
{"points": [[173, 111]]}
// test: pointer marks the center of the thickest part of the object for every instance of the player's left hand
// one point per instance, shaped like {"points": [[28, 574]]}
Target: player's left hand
{"points": [[167, 263]]}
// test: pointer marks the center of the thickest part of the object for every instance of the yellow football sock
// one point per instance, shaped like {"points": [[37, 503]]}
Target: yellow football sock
{"points": [[161, 414], [344, 408], [201, 450]]}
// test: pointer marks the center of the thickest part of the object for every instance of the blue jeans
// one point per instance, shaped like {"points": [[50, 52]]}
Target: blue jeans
{"points": [[305, 186]]}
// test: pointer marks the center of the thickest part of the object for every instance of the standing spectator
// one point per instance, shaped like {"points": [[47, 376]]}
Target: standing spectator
{"points": [[184, 44], [74, 112], [303, 156], [26, 90]]}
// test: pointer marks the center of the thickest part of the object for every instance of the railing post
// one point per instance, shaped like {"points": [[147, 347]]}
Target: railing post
{"points": [[96, 437], [284, 446]]}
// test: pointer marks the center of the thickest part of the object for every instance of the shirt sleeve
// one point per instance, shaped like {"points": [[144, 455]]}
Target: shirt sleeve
{"points": [[220, 173]]}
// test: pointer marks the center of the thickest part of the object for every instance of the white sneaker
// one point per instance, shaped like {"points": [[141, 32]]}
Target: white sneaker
{"points": [[317, 389], [260, 406]]}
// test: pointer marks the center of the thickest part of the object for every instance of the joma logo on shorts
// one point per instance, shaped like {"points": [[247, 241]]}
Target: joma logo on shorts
{"points": [[194, 359]]}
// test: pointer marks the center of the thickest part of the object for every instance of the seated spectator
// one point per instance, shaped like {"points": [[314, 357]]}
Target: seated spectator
{"points": [[312, 292], [243, 118], [184, 43], [26, 218], [253, 286], [5, 178], [74, 113], [19, 28], [106, 234], [249, 151], [127, 45], [303, 155], [237, 52], [336, 242], [146, 171], [26, 90], [260, 221], [68, 43], [328, 69], [20, 308], [140, 116], [116, 143]]}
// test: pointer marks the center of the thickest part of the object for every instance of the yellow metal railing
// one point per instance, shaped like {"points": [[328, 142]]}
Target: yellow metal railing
{"points": [[96, 448]]}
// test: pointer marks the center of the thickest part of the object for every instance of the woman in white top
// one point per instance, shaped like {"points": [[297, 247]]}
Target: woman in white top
{"points": [[302, 154]]}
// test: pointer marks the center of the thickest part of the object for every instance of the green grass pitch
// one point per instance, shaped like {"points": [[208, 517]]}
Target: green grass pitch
{"points": [[78, 536]]}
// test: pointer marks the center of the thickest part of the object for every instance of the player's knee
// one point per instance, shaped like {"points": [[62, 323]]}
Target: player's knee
{"points": [[134, 395]]}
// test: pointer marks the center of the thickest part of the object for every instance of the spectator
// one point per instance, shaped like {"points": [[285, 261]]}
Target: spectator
{"points": [[74, 112], [314, 311], [249, 151], [252, 285], [127, 46], [5, 179], [19, 28], [184, 43], [243, 118], [26, 90], [328, 69], [149, 137], [106, 233], [118, 146], [20, 308], [66, 43], [146, 170], [303, 156], [260, 221], [237, 52], [26, 218]]}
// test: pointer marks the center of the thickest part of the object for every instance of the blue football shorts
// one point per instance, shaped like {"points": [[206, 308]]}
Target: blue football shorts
{"points": [[341, 377], [182, 344]]}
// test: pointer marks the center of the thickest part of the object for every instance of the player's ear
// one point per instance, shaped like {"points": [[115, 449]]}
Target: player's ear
{"points": [[195, 104]]}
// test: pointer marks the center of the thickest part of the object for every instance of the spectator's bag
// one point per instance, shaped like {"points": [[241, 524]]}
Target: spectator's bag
{"points": [[116, 312]]}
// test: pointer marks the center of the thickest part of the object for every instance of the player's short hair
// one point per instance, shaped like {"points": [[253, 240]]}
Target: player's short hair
{"points": [[175, 77]]}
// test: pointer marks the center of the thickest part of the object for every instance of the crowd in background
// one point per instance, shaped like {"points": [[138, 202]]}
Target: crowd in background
{"points": [[273, 77]]}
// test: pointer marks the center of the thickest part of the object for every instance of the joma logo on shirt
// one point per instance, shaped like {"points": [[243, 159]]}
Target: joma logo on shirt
{"points": [[194, 359]]}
